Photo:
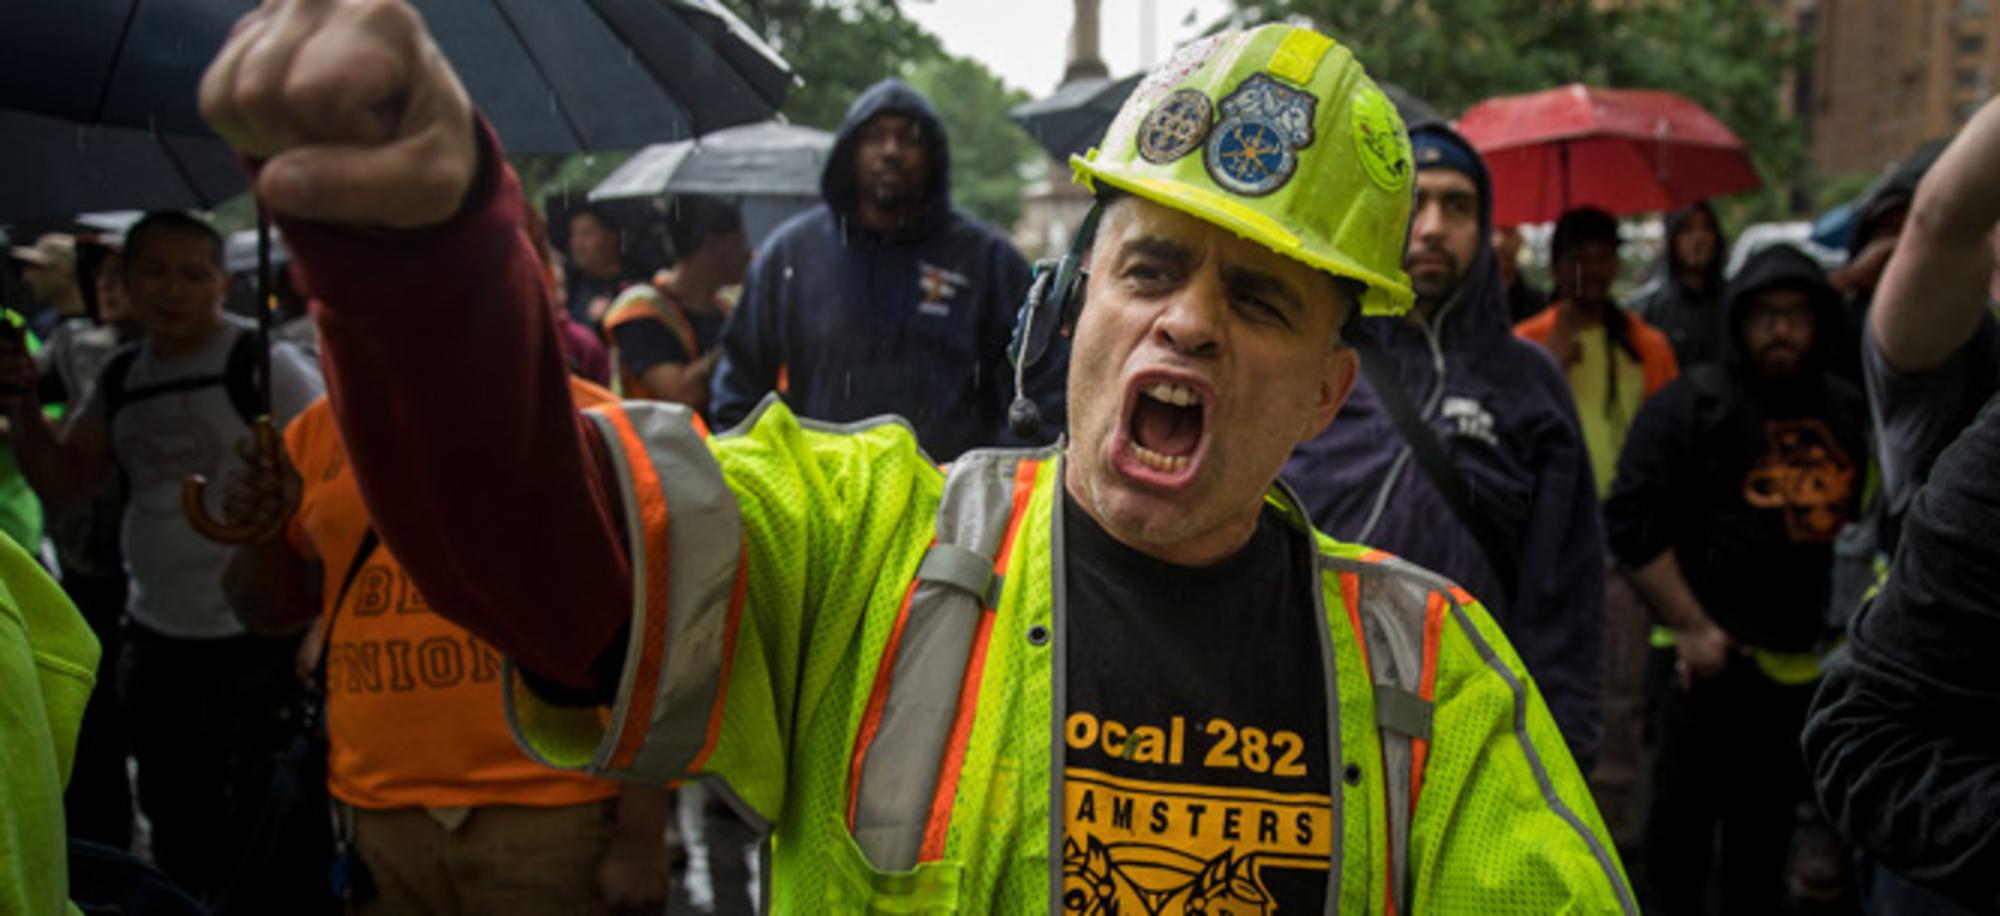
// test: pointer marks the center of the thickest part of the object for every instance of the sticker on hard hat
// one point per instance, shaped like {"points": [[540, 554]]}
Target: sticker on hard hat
{"points": [[1254, 151], [1384, 150], [1175, 127], [1185, 61]]}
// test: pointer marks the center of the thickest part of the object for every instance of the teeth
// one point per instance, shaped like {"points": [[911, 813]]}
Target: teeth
{"points": [[1157, 461], [1170, 393]]}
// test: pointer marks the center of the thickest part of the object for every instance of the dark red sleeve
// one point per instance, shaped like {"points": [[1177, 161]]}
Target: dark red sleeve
{"points": [[448, 381]]}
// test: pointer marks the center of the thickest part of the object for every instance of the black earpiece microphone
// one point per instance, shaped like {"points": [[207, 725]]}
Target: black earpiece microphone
{"points": [[1024, 419], [1054, 298]]}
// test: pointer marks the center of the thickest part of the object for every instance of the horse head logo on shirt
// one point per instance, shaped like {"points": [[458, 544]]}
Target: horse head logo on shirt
{"points": [[1804, 472], [1142, 878]]}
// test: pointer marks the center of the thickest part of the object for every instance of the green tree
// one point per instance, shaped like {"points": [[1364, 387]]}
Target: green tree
{"points": [[1727, 55], [571, 173], [837, 48], [988, 152]]}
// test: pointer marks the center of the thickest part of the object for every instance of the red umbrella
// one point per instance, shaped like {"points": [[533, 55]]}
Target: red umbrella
{"points": [[1625, 150]]}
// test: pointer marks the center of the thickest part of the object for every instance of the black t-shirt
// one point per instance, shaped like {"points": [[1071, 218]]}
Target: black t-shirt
{"points": [[1196, 773]]}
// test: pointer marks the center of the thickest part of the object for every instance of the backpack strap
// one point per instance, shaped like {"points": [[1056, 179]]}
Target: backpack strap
{"points": [[903, 775], [1499, 547], [111, 379], [239, 379], [369, 541]]}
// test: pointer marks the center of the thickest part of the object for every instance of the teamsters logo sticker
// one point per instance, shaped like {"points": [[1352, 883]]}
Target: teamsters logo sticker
{"points": [[1175, 127], [1254, 151]]}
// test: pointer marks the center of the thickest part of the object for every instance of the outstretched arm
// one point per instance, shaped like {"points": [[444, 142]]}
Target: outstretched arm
{"points": [[1935, 288], [439, 346]]}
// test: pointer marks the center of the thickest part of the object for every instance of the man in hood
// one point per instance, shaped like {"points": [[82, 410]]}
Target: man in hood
{"points": [[887, 299], [1731, 488], [1684, 298], [1506, 414]]}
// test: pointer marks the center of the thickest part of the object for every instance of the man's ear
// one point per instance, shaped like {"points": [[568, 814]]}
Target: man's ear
{"points": [[1335, 384]]}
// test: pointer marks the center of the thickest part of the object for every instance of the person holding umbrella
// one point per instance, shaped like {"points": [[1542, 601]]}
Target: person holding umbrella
{"points": [[194, 683], [1121, 673]]}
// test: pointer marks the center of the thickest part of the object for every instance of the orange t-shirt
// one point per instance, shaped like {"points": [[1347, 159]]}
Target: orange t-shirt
{"points": [[414, 716]]}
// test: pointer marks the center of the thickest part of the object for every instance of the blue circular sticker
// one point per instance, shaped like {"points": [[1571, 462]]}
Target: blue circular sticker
{"points": [[1249, 157]]}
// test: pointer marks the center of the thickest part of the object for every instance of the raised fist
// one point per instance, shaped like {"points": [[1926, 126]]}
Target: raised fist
{"points": [[356, 113]]}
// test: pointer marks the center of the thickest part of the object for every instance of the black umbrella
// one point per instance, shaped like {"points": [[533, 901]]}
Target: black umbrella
{"points": [[1074, 118], [770, 159], [546, 74], [771, 170], [58, 169], [552, 76]]}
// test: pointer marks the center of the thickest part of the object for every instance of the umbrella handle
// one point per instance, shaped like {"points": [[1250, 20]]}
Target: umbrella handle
{"points": [[194, 503]]}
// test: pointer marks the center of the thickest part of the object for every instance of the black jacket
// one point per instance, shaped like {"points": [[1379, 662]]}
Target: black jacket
{"points": [[1747, 479], [1901, 741], [1691, 320], [1507, 423]]}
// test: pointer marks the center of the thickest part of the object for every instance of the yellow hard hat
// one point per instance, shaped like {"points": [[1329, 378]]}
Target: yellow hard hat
{"points": [[1277, 134]]}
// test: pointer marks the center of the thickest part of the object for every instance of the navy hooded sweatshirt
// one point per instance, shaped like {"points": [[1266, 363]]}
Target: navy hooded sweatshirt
{"points": [[1508, 423], [858, 324], [1749, 479]]}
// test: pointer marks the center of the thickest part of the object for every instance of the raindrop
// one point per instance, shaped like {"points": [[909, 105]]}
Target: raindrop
{"points": [[846, 385], [788, 273]]}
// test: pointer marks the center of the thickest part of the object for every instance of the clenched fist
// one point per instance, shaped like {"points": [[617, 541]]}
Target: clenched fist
{"points": [[356, 113]]}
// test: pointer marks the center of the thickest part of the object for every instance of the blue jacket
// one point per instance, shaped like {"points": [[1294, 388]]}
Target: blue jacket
{"points": [[1508, 422], [860, 324]]}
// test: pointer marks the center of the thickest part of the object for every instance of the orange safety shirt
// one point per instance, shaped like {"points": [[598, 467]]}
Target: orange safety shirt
{"points": [[413, 708]]}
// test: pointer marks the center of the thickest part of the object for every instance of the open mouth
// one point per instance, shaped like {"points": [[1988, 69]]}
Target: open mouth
{"points": [[1165, 427]]}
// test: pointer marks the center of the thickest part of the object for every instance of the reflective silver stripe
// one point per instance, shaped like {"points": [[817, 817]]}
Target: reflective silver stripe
{"points": [[1437, 583], [1335, 748], [1403, 712], [704, 549], [1392, 619], [899, 770], [1059, 694], [1626, 901], [950, 564]]}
